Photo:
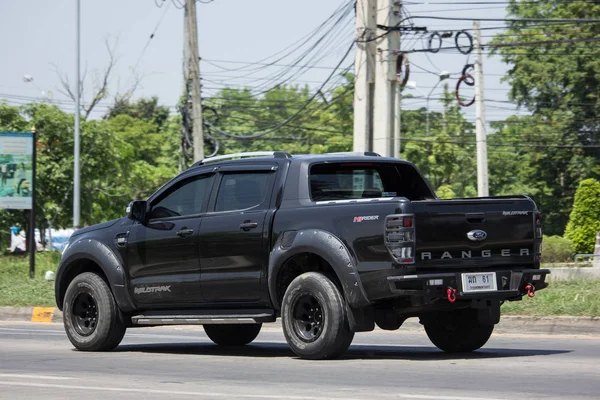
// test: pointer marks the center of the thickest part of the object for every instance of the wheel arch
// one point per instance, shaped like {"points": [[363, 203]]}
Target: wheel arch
{"points": [[91, 255], [313, 250]]}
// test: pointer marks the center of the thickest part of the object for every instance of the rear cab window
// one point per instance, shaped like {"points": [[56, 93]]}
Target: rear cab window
{"points": [[353, 181]]}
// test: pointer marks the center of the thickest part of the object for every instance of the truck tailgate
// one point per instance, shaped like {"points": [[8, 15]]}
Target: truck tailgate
{"points": [[479, 232]]}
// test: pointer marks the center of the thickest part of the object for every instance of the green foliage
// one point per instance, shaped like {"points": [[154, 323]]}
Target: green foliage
{"points": [[17, 289], [578, 297], [324, 125], [444, 157], [122, 157], [445, 192], [147, 110], [556, 249], [584, 223], [556, 82]]}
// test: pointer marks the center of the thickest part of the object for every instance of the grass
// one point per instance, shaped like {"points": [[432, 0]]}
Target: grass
{"points": [[17, 289], [576, 297], [579, 297]]}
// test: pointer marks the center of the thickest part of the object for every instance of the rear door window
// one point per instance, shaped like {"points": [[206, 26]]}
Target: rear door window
{"points": [[243, 190], [352, 181]]}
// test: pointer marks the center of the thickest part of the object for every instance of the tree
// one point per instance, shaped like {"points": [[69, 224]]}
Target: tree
{"points": [[324, 125], [122, 158], [447, 156], [584, 223], [553, 74], [100, 90], [145, 109]]}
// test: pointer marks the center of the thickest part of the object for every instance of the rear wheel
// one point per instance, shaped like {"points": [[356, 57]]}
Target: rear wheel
{"points": [[92, 319], [314, 318], [457, 331], [232, 334]]}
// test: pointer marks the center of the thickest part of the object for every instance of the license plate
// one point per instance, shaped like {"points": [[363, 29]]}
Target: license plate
{"points": [[479, 282]]}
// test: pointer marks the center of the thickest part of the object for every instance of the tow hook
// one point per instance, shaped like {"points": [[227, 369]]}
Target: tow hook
{"points": [[530, 290], [451, 292]]}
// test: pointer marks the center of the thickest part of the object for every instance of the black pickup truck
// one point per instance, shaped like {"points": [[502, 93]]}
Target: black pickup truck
{"points": [[333, 244]]}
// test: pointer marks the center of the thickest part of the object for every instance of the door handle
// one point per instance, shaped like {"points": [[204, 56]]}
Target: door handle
{"points": [[247, 225], [185, 232]]}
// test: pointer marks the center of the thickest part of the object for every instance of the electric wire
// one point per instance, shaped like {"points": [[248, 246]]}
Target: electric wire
{"points": [[294, 116]]}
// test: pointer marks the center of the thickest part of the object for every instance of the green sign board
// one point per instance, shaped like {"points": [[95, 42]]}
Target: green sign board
{"points": [[16, 149]]}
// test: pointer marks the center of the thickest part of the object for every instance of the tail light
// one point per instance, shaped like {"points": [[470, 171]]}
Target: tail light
{"points": [[400, 237], [538, 235], [538, 225]]}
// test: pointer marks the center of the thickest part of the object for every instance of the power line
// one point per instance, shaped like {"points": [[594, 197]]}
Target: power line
{"points": [[151, 36], [539, 20], [293, 117]]}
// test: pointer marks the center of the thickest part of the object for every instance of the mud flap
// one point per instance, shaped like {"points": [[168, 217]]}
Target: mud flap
{"points": [[488, 311], [361, 319]]}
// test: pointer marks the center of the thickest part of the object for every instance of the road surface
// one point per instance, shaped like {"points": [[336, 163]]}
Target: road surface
{"points": [[38, 362]]}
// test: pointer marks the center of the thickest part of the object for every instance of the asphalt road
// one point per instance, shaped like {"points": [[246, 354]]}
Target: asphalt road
{"points": [[37, 361]]}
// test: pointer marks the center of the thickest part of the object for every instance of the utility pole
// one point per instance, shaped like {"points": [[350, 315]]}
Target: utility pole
{"points": [[388, 14], [194, 68], [185, 72], [398, 123], [364, 70], [76, 144], [482, 162]]}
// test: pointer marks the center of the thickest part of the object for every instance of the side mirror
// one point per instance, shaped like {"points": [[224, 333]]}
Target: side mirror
{"points": [[136, 210]]}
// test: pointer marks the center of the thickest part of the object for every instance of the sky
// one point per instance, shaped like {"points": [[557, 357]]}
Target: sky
{"points": [[39, 42]]}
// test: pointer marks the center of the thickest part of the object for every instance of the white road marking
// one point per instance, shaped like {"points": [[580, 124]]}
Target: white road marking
{"points": [[231, 395], [35, 376]]}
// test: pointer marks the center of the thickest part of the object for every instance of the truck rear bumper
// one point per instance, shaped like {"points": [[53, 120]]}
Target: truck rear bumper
{"points": [[430, 288]]}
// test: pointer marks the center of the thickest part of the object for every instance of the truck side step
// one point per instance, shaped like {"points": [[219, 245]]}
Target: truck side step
{"points": [[201, 317]]}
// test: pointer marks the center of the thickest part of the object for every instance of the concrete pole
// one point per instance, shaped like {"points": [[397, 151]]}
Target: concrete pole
{"points": [[77, 150], [185, 72], [482, 162], [198, 134], [385, 79], [364, 70], [398, 122]]}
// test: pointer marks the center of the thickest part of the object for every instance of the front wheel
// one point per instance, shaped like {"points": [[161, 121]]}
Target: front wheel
{"points": [[232, 334], [457, 331], [314, 319], [92, 319]]}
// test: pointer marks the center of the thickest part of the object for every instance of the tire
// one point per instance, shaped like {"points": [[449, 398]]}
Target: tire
{"points": [[92, 319], [314, 319], [457, 331], [232, 334]]}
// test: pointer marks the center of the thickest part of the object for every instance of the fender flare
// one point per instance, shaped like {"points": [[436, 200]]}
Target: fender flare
{"points": [[110, 264], [327, 246]]}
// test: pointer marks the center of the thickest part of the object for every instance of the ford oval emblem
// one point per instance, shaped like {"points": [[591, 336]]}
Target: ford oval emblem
{"points": [[477, 235]]}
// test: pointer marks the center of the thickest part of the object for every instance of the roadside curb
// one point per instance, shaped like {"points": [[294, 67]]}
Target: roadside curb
{"points": [[30, 314], [509, 324]]}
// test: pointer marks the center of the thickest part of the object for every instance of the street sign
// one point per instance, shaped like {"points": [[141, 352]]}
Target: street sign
{"points": [[16, 169]]}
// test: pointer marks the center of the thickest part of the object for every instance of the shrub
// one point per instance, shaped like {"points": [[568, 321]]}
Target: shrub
{"points": [[584, 221], [557, 249]]}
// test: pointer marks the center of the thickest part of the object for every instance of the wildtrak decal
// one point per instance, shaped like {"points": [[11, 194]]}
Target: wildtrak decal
{"points": [[508, 213], [151, 289]]}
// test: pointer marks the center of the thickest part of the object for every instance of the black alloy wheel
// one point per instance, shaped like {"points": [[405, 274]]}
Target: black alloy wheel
{"points": [[314, 319], [92, 319], [308, 318], [85, 314]]}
